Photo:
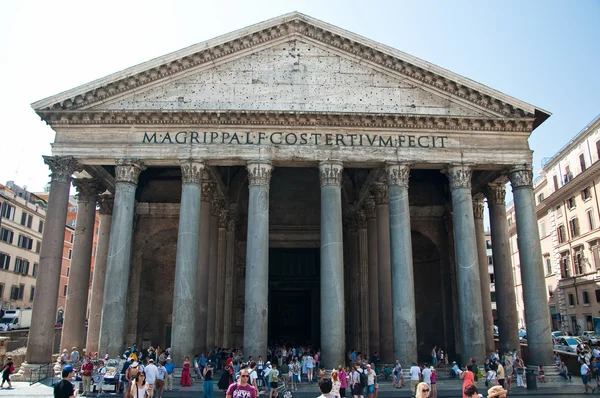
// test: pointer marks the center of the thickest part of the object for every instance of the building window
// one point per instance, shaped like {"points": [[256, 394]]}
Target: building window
{"points": [[565, 266], [555, 179], [71, 223], [4, 261], [492, 278], [540, 198], [25, 242], [488, 244], [6, 235], [41, 226], [21, 266], [571, 203], [550, 291], [558, 211], [68, 271], [560, 232], [65, 290], [72, 238], [21, 291], [574, 227], [509, 220], [26, 219], [598, 149], [586, 194], [1, 291], [548, 262], [571, 300], [35, 269], [8, 211], [598, 295], [70, 254], [595, 249], [542, 229], [38, 246], [591, 219], [493, 296], [578, 260], [568, 175], [586, 297], [582, 162], [490, 260], [14, 292], [31, 293]]}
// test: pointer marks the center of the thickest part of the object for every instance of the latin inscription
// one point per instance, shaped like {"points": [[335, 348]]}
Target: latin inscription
{"points": [[261, 138]]}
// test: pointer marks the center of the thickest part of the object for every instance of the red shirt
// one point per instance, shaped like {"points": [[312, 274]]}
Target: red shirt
{"points": [[87, 368]]}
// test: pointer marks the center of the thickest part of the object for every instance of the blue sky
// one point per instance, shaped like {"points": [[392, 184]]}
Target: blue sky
{"points": [[546, 53]]}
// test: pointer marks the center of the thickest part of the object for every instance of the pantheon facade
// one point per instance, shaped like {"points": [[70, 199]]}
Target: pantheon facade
{"points": [[290, 182]]}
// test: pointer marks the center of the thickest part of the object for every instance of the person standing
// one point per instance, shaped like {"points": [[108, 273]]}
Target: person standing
{"points": [[74, 357], [151, 374], [86, 375], [355, 386], [468, 378], [7, 370], [100, 376], [433, 383], [519, 370], [335, 383], [139, 388], [426, 373], [309, 367], [422, 390], [434, 355], [500, 373], [241, 389], [170, 367], [586, 375], [343, 377], [415, 377], [273, 381], [370, 381], [398, 377], [64, 388], [208, 374], [160, 379]]}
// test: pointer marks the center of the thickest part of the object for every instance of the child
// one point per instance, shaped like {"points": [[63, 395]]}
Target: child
{"points": [[541, 374]]}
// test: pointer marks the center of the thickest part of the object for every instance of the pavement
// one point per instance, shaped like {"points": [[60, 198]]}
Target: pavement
{"points": [[446, 388]]}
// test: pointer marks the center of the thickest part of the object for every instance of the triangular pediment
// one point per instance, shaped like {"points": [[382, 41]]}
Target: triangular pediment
{"points": [[351, 74], [294, 76]]}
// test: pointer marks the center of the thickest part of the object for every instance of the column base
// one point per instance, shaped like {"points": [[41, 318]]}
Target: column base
{"points": [[36, 372]]}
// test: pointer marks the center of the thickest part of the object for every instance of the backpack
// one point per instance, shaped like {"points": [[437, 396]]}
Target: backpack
{"points": [[363, 379]]}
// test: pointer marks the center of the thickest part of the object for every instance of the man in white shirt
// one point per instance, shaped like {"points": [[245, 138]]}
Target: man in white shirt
{"points": [[151, 375], [586, 375], [397, 372], [356, 388], [266, 372], [370, 381], [415, 376], [426, 372]]}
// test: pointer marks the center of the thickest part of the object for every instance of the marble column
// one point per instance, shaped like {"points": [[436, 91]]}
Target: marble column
{"points": [[203, 266], [256, 314], [40, 343], [229, 268], [373, 278], [486, 298], [221, 257], [351, 256], [105, 203], [469, 285], [403, 291], [506, 302], [332, 263], [211, 314], [112, 325], [384, 284], [537, 315], [363, 260], [73, 334], [184, 322]]}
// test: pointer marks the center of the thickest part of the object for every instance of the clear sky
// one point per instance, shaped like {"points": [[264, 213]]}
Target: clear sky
{"points": [[546, 53]]}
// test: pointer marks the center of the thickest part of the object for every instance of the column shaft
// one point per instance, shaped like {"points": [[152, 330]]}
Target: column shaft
{"points": [[41, 333], [332, 263], [256, 315], [537, 315], [221, 277], [184, 322], [112, 327], [363, 259], [354, 287], [469, 288], [386, 334], [506, 303], [229, 264], [486, 298], [203, 265], [93, 333], [212, 276], [79, 277], [403, 291], [373, 277]]}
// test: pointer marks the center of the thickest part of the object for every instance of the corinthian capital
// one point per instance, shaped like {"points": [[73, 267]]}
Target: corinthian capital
{"points": [[331, 172], [62, 167], [216, 206], [106, 203], [128, 170], [495, 193], [397, 174], [88, 189], [521, 176], [259, 172], [380, 191], [459, 176], [208, 190], [361, 219], [370, 208], [191, 172], [478, 206]]}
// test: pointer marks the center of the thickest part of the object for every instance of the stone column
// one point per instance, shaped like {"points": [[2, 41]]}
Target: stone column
{"points": [[537, 315], [384, 285], [469, 285], [256, 314], [332, 263], [73, 334], [221, 277], [229, 265], [373, 278], [211, 314], [203, 265], [351, 256], [106, 207], [363, 260], [506, 303], [403, 291], [112, 326], [486, 298], [41, 333], [184, 322]]}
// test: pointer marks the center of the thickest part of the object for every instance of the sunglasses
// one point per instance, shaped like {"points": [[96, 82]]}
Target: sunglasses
{"points": [[425, 390], [244, 376]]}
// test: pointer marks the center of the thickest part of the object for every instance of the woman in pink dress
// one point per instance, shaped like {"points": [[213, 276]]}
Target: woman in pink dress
{"points": [[186, 378], [468, 378]]}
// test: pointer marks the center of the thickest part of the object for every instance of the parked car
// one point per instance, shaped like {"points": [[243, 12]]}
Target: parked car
{"points": [[590, 337], [567, 343], [523, 336]]}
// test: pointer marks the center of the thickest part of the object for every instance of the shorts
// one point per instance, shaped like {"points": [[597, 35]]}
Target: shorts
{"points": [[273, 384], [357, 390], [585, 379], [371, 389]]}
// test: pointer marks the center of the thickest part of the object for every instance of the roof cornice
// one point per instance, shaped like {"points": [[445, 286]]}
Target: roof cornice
{"points": [[285, 118], [291, 26]]}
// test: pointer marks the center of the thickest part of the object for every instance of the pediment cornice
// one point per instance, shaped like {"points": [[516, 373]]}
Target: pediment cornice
{"points": [[292, 26], [285, 118]]}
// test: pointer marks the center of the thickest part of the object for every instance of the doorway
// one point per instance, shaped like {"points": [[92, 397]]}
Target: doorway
{"points": [[294, 296]]}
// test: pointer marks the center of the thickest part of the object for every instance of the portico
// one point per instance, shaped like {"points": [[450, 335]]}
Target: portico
{"points": [[295, 134]]}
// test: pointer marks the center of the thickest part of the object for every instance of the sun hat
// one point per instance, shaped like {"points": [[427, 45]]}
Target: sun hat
{"points": [[134, 365], [496, 391]]}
